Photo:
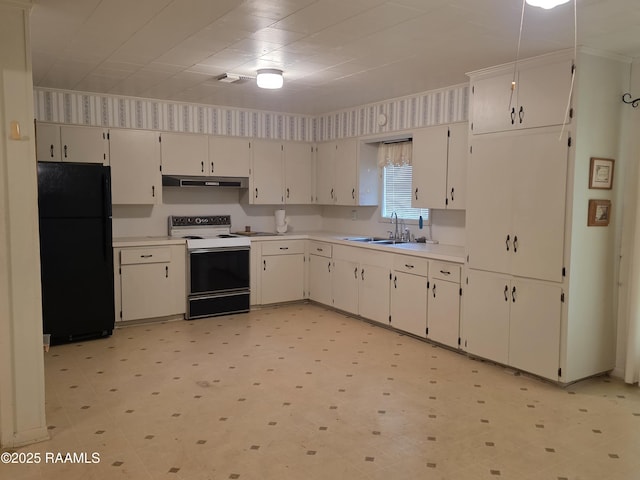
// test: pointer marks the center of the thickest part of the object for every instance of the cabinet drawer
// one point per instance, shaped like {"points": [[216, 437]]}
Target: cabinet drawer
{"points": [[321, 249], [414, 265], [283, 247], [445, 271], [131, 256]]}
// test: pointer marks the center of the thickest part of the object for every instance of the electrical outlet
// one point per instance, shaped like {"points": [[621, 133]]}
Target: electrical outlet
{"points": [[354, 214]]}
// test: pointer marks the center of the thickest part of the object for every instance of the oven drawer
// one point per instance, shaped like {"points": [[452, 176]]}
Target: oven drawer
{"points": [[214, 305], [283, 247], [132, 256]]}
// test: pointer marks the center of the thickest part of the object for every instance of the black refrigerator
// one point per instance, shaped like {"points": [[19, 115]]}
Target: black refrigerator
{"points": [[76, 254]]}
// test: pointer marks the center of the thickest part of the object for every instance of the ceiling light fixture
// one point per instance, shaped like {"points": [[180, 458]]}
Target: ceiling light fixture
{"points": [[270, 78], [546, 4]]}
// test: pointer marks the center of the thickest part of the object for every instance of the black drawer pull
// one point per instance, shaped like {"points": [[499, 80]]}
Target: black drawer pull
{"points": [[146, 256], [444, 272], [284, 248]]}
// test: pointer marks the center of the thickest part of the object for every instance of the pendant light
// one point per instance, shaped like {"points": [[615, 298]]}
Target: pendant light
{"points": [[546, 4], [270, 78]]}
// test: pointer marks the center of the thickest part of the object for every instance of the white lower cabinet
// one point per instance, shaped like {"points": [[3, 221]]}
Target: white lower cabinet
{"points": [[443, 305], [373, 291], [282, 271], [150, 282], [344, 285], [514, 321], [320, 272], [409, 303]]}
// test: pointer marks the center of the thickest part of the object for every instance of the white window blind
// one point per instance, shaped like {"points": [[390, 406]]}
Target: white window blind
{"points": [[395, 160]]}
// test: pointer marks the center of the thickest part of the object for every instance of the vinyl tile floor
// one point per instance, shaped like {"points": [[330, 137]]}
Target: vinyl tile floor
{"points": [[301, 392]]}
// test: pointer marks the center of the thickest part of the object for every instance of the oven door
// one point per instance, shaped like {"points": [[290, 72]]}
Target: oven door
{"points": [[218, 270]]}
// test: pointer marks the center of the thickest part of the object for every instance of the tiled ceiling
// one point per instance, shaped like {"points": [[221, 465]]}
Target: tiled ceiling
{"points": [[335, 53]]}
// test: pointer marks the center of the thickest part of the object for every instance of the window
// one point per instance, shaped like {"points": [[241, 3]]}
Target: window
{"points": [[395, 161]]}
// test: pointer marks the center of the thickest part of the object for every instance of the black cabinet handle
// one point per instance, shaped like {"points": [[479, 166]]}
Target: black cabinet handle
{"points": [[444, 272], [395, 281], [146, 256], [329, 267], [66, 151], [416, 194], [284, 248], [408, 265], [287, 193], [506, 291], [256, 193], [319, 250], [332, 194], [513, 116], [153, 191], [513, 294], [515, 244], [353, 193], [51, 150], [212, 167], [362, 274], [452, 194], [355, 273], [264, 265], [507, 241], [434, 290], [521, 113], [166, 271], [202, 167]]}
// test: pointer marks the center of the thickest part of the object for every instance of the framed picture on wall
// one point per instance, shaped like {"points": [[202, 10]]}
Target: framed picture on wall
{"points": [[599, 213], [601, 173]]}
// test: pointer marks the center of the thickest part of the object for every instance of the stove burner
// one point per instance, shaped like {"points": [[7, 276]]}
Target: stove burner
{"points": [[193, 237], [226, 235]]}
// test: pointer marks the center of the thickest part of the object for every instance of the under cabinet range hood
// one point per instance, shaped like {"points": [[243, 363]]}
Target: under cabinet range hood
{"points": [[189, 181]]}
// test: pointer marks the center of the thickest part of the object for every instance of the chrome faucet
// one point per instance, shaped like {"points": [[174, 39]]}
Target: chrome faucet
{"points": [[396, 234]]}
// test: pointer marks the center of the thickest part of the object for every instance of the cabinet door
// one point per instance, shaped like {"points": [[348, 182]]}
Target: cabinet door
{"points": [[84, 144], [146, 291], [282, 278], [48, 142], [429, 173], [486, 315], [325, 167], [344, 284], [539, 186], [409, 303], [488, 216], [268, 178], [298, 163], [543, 94], [494, 105], [443, 312], [229, 156], [345, 174], [457, 159], [184, 154], [373, 293], [135, 167], [534, 329], [320, 279]]}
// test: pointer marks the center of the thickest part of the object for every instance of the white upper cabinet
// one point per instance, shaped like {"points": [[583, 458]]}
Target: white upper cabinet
{"points": [[347, 173], [135, 167], [538, 98], [298, 173], [70, 143], [440, 167], [515, 223], [267, 173], [184, 154], [229, 156]]}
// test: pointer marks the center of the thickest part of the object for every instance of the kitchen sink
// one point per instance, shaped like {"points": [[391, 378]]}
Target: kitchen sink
{"points": [[374, 240]]}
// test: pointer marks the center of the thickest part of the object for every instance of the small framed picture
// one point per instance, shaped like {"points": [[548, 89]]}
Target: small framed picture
{"points": [[601, 173], [599, 213]]}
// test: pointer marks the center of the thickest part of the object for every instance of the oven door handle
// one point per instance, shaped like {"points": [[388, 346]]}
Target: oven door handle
{"points": [[219, 250]]}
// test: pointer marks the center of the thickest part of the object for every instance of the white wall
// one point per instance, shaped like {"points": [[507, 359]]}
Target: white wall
{"points": [[22, 416], [129, 220]]}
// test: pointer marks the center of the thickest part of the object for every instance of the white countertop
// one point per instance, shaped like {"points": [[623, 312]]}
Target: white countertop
{"points": [[449, 253]]}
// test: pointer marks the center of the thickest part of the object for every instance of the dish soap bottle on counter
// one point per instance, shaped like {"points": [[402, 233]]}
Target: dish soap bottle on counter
{"points": [[282, 222]]}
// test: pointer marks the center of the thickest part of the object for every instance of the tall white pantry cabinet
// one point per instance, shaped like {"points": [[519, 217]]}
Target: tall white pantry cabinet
{"points": [[539, 286]]}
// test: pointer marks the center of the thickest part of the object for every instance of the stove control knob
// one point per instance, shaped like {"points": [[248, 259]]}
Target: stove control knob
{"points": [[198, 221]]}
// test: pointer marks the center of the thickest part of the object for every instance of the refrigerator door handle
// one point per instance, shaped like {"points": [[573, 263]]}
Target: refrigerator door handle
{"points": [[106, 215]]}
